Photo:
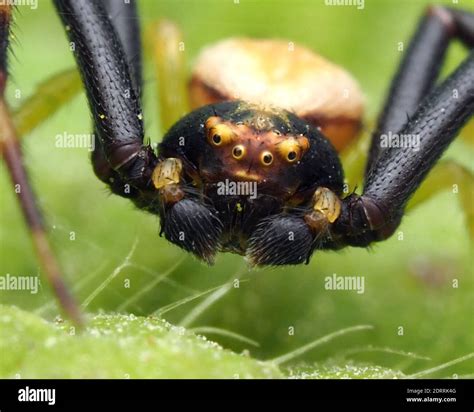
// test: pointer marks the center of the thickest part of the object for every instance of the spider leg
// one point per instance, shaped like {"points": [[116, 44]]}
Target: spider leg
{"points": [[167, 47], [419, 69], [125, 162], [398, 171], [124, 18], [446, 175], [11, 151]]}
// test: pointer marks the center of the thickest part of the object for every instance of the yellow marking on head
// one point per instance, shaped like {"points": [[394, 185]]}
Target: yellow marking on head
{"points": [[262, 114], [243, 174]]}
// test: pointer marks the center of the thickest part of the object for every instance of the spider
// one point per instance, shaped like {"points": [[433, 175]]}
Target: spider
{"points": [[254, 168]]}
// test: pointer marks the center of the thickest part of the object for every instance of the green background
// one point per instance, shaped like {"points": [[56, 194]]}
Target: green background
{"points": [[408, 282]]}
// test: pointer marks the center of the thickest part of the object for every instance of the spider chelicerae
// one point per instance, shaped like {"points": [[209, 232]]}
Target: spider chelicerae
{"points": [[254, 168]]}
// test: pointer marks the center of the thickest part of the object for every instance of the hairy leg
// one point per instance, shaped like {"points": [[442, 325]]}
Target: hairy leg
{"points": [[446, 175], [113, 100], [398, 172], [419, 70]]}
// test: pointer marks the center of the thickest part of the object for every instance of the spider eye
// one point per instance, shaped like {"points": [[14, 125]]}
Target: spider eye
{"points": [[238, 152], [218, 134], [266, 158], [292, 149], [217, 139]]}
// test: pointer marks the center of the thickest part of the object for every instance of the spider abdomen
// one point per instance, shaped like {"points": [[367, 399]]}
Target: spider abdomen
{"points": [[281, 73]]}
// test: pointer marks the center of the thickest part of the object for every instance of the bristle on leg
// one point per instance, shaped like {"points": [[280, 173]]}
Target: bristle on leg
{"points": [[280, 240], [194, 227]]}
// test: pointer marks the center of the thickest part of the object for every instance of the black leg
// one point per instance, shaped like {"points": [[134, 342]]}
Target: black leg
{"points": [[398, 172], [123, 15], [419, 69], [125, 20], [114, 103]]}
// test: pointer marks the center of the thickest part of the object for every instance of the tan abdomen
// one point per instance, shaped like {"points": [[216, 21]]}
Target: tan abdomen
{"points": [[278, 73]]}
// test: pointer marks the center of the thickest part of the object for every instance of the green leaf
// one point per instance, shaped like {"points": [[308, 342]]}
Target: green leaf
{"points": [[115, 346], [49, 97], [351, 370], [127, 346]]}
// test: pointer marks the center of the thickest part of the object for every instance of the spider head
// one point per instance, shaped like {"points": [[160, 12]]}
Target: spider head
{"points": [[255, 144], [252, 150], [241, 142]]}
